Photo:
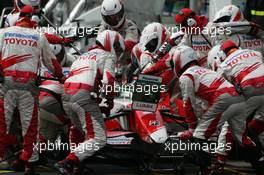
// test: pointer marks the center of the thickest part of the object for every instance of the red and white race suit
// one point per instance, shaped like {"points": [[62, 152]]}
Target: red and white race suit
{"points": [[51, 113], [90, 71], [219, 100], [129, 32], [225, 140], [256, 127], [22, 50], [245, 69], [13, 17], [165, 72], [162, 64], [162, 68], [245, 36]]}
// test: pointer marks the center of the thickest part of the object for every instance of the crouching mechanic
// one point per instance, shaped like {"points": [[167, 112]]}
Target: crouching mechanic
{"points": [[21, 48], [225, 135], [219, 98], [51, 113], [88, 72], [255, 126], [245, 69]]}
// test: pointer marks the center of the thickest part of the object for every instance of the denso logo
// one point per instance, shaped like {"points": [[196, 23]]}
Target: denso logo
{"points": [[235, 59]]}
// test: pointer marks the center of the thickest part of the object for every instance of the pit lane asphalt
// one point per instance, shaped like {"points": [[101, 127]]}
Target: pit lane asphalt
{"points": [[232, 168]]}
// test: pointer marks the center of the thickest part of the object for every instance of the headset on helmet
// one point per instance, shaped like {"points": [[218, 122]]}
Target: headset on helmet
{"points": [[182, 57], [230, 13], [228, 45], [19, 4], [26, 11], [153, 36], [213, 59], [185, 17], [25, 17], [111, 41], [225, 48], [113, 13]]}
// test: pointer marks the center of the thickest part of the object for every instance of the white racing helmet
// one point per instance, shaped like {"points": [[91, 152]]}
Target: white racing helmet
{"points": [[230, 13], [153, 36], [113, 13], [111, 41], [182, 56], [19, 4], [213, 59]]}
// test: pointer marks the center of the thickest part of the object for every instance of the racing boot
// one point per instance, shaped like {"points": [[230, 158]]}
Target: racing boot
{"points": [[256, 157], [64, 167], [29, 169], [82, 170], [206, 171], [218, 167], [77, 171]]}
